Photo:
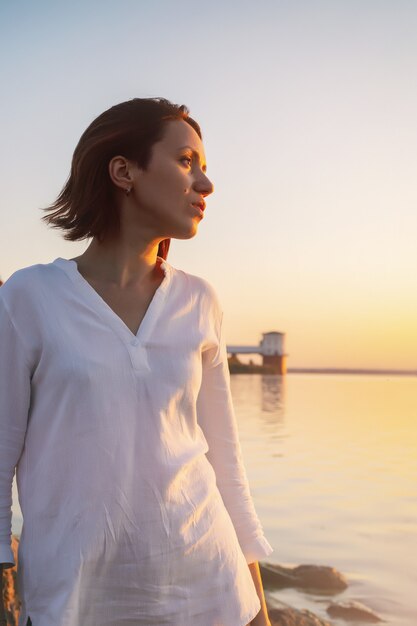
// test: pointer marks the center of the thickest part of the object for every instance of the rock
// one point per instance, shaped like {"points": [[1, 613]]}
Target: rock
{"points": [[314, 577], [10, 596], [354, 611], [288, 616], [282, 614]]}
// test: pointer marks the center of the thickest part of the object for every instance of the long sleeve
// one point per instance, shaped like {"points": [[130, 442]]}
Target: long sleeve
{"points": [[14, 407], [216, 416]]}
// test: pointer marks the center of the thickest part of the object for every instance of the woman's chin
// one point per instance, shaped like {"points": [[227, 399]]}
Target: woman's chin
{"points": [[188, 232]]}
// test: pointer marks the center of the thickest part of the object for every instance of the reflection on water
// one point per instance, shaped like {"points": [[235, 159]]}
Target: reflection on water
{"points": [[332, 463], [272, 395]]}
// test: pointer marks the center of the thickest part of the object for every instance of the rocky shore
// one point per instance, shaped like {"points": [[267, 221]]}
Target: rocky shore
{"points": [[307, 578], [10, 595]]}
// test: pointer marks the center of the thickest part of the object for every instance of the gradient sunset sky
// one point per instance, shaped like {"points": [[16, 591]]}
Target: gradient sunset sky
{"points": [[308, 112]]}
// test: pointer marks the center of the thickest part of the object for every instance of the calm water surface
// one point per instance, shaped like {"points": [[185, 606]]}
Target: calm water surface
{"points": [[332, 463]]}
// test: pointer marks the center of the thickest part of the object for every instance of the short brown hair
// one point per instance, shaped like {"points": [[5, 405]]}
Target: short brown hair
{"points": [[85, 207]]}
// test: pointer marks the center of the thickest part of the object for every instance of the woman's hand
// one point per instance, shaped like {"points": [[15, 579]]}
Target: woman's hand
{"points": [[2, 609], [260, 620]]}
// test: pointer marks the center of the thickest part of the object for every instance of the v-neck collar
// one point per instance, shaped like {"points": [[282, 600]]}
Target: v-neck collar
{"points": [[107, 314]]}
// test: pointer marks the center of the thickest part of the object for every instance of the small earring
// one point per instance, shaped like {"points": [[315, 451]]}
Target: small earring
{"points": [[128, 190]]}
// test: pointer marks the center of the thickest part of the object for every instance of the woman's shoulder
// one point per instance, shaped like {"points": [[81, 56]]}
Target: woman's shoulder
{"points": [[202, 288], [26, 282]]}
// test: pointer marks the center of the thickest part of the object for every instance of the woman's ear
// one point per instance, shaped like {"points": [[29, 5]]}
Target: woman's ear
{"points": [[120, 172]]}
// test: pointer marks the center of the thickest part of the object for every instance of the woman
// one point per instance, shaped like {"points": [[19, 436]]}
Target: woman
{"points": [[115, 404]]}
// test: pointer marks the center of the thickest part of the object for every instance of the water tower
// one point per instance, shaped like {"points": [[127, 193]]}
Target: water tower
{"points": [[272, 350]]}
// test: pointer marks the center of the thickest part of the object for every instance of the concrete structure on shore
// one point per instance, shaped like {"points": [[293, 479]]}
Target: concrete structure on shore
{"points": [[271, 348]]}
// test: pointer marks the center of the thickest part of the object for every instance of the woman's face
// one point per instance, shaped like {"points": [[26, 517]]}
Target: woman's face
{"points": [[164, 194]]}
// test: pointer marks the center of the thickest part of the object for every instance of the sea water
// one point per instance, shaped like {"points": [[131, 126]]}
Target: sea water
{"points": [[332, 464]]}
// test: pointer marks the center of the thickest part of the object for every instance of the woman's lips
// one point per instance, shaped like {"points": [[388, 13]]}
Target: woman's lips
{"points": [[198, 209]]}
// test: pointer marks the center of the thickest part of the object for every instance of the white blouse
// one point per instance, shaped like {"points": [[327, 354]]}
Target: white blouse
{"points": [[136, 505]]}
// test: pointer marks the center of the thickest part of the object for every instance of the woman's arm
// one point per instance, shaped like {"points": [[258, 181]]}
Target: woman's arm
{"points": [[15, 376], [216, 417]]}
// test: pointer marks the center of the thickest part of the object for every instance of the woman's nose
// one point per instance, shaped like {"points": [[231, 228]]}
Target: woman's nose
{"points": [[204, 185]]}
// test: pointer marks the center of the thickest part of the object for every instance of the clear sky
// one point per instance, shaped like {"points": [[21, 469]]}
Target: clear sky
{"points": [[308, 112]]}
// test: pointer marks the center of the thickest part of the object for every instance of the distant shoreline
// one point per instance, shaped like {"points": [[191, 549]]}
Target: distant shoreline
{"points": [[331, 370], [237, 367]]}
